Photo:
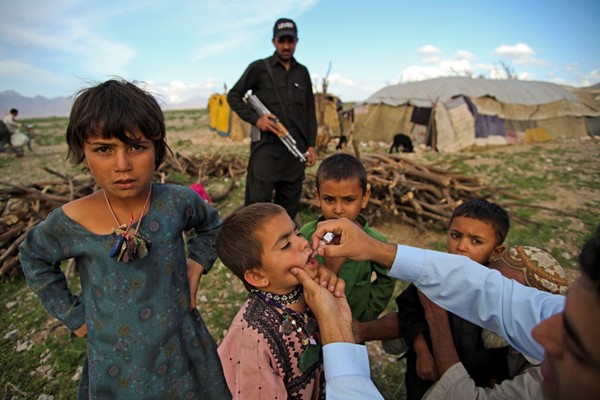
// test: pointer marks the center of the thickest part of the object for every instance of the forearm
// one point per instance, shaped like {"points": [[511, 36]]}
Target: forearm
{"points": [[40, 261], [420, 345], [442, 343], [384, 328], [206, 222], [333, 331], [382, 253]]}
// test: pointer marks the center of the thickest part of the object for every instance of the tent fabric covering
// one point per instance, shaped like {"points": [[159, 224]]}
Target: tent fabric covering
{"points": [[468, 112], [423, 93]]}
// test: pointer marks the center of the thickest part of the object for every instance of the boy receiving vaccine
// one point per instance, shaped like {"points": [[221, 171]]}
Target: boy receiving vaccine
{"points": [[272, 348]]}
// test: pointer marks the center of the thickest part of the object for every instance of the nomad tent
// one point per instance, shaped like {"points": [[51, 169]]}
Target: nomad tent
{"points": [[450, 114]]}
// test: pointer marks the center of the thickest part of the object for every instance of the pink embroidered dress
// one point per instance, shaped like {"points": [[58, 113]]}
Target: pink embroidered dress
{"points": [[260, 361]]}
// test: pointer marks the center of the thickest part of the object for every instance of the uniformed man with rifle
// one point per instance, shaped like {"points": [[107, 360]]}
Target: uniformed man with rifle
{"points": [[283, 138]]}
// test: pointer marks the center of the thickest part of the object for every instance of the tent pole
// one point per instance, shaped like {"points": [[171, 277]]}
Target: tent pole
{"points": [[429, 131]]}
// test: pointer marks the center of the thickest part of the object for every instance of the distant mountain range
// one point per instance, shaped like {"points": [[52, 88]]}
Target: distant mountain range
{"points": [[39, 106], [34, 107]]}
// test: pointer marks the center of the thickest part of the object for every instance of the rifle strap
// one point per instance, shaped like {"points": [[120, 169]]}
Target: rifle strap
{"points": [[268, 66]]}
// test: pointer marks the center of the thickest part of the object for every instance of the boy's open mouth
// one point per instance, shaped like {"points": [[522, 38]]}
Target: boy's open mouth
{"points": [[311, 261]]}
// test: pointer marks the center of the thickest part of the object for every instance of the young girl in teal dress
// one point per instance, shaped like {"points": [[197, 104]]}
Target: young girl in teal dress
{"points": [[145, 337]]}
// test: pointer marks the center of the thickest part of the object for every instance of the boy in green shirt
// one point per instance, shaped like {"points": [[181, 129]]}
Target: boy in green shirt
{"points": [[342, 191]]}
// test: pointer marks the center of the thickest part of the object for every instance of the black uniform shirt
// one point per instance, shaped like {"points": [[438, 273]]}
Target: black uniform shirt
{"points": [[269, 157]]}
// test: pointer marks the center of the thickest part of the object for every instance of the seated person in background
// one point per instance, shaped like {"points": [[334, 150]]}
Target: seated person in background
{"points": [[342, 192], [10, 120], [272, 348], [477, 230], [533, 267]]}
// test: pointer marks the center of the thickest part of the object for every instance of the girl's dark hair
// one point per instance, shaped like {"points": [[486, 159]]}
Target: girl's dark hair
{"points": [[485, 211], [111, 109]]}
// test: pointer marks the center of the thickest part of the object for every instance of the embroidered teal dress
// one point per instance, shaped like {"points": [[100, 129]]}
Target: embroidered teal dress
{"points": [[143, 341]]}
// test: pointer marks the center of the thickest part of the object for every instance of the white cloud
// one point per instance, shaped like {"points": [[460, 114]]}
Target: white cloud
{"points": [[339, 80], [430, 53], [418, 73], [519, 54], [429, 50], [71, 39], [465, 55], [31, 78], [514, 52], [19, 70], [591, 78], [443, 68], [176, 92]]}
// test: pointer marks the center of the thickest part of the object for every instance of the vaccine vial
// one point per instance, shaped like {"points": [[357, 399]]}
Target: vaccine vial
{"points": [[326, 239]]}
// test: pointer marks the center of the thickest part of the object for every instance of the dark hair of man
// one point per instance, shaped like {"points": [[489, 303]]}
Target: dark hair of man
{"points": [[14, 111], [589, 259], [113, 109], [340, 167], [485, 211], [238, 244]]}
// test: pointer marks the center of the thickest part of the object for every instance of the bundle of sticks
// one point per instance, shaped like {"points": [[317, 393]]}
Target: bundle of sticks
{"points": [[413, 193], [22, 206]]}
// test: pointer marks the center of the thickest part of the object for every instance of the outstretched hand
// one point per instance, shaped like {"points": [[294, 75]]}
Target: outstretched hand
{"points": [[333, 313], [352, 242]]}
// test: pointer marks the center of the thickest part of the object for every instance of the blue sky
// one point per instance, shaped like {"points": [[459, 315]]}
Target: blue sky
{"points": [[191, 49]]}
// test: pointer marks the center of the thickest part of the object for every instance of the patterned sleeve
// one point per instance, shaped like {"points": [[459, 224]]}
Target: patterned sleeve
{"points": [[206, 223], [249, 366], [41, 255]]}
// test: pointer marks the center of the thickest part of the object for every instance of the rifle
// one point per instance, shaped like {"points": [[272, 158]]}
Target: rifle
{"points": [[283, 134]]}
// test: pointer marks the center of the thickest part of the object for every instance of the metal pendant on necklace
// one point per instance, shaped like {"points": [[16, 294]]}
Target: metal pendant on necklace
{"points": [[128, 247], [287, 326]]}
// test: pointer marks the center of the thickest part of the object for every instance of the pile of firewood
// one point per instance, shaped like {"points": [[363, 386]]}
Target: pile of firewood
{"points": [[410, 192], [204, 167], [22, 206]]}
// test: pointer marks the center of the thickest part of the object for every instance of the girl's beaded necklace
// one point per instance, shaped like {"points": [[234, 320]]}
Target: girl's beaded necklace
{"points": [[303, 323], [129, 246]]}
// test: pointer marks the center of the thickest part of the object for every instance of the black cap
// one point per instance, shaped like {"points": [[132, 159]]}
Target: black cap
{"points": [[285, 27]]}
